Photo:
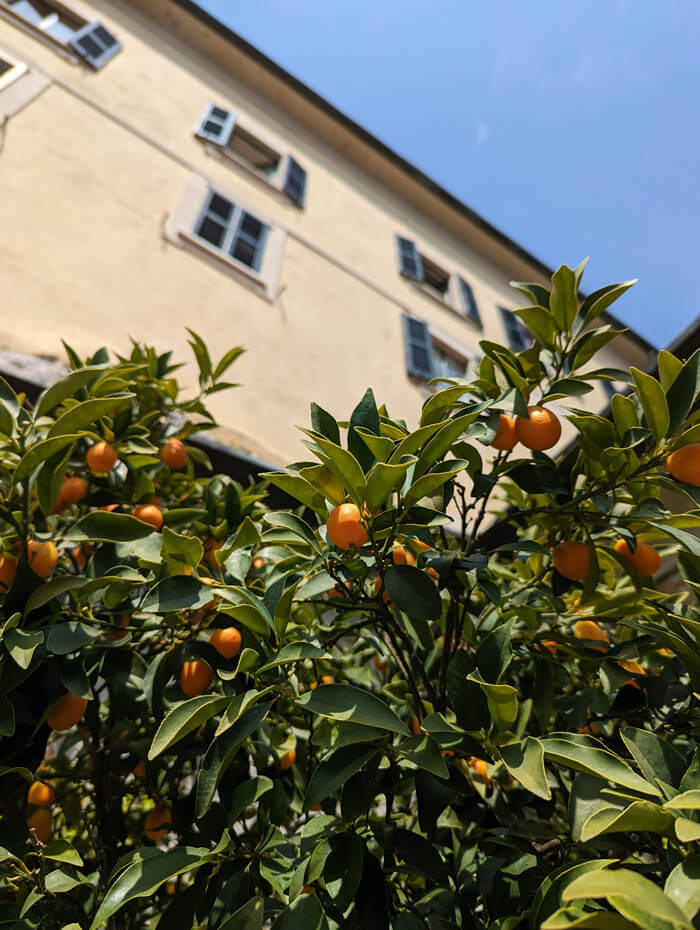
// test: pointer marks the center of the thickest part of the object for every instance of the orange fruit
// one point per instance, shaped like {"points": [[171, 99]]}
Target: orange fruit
{"points": [[8, 569], [227, 642], [634, 668], [344, 527], [505, 438], [174, 454], [109, 507], [665, 652], [148, 513], [101, 457], [42, 557], [195, 677], [549, 644], [325, 680], [287, 760], [81, 554], [540, 431], [645, 559], [40, 794], [589, 629], [258, 563], [684, 464], [479, 766], [158, 821], [139, 770], [402, 556], [379, 587], [415, 726], [592, 729], [571, 559], [211, 547], [74, 490], [40, 821], [432, 573], [380, 663], [66, 712]]}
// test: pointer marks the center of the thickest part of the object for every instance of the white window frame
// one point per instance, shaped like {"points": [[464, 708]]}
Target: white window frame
{"points": [[16, 70], [275, 180], [180, 229]]}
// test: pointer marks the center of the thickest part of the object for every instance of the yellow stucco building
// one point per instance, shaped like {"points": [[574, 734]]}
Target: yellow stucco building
{"points": [[157, 172]]}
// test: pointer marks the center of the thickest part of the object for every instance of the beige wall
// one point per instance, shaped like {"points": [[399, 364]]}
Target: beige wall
{"points": [[91, 169]]}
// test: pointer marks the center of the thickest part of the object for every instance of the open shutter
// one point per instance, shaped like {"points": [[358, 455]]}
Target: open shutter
{"points": [[471, 311], [216, 124], [518, 337], [295, 181], [410, 264], [95, 44], [419, 348]]}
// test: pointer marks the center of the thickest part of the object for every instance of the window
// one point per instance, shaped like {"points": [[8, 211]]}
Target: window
{"points": [[450, 288], [219, 126], [91, 40], [426, 356], [10, 70], [516, 334], [232, 230]]}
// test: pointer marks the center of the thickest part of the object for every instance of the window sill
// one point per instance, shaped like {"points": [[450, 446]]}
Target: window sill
{"points": [[223, 154], [241, 272], [59, 47]]}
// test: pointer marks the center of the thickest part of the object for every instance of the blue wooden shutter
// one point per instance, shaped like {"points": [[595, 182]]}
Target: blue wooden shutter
{"points": [[295, 181], [518, 338], [95, 44], [419, 348], [410, 264], [216, 124], [471, 311]]}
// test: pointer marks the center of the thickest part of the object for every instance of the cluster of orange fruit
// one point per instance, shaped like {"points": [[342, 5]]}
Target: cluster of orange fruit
{"points": [[40, 795], [598, 640], [572, 559], [539, 431]]}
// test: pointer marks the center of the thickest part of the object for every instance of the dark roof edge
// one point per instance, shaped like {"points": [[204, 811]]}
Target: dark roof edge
{"points": [[322, 104]]}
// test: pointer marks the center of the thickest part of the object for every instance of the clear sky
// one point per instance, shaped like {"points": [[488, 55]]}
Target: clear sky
{"points": [[572, 127]]}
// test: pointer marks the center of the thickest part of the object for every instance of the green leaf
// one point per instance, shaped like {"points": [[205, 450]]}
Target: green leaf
{"points": [[322, 422], [669, 368], [70, 636], [634, 896], [322, 478], [366, 416], [442, 441], [383, 479], [563, 301], [599, 301], [567, 387], [585, 754], [682, 393], [226, 360], [653, 400], [248, 917], [345, 467], [84, 414], [221, 752], [624, 413], [247, 793], [184, 718], [494, 653], [178, 592], [335, 770], [502, 701], [568, 919], [304, 913], [683, 886], [540, 322], [298, 488], [381, 447], [293, 652], [51, 589], [62, 851], [687, 831], [68, 386], [428, 484], [103, 526], [413, 591], [525, 762], [424, 752], [688, 540], [345, 702], [685, 801], [50, 479], [640, 816], [655, 757], [21, 645], [144, 876], [295, 525], [548, 897], [589, 343], [183, 548], [40, 452]]}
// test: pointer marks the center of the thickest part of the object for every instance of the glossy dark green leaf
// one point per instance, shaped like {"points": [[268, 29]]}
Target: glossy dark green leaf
{"points": [[346, 702], [653, 401], [40, 452], [65, 387], [413, 591], [332, 772], [304, 913], [102, 526], [70, 636], [525, 762], [248, 917], [84, 414], [366, 416], [185, 717], [322, 422], [655, 756]]}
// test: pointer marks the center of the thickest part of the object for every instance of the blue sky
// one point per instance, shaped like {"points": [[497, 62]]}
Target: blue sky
{"points": [[572, 127]]}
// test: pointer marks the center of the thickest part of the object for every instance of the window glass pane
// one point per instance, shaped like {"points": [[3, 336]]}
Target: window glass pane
{"points": [[212, 128], [220, 206], [416, 329], [244, 252], [5, 66], [105, 38], [421, 359], [212, 231], [447, 365], [250, 226], [88, 44], [218, 113]]}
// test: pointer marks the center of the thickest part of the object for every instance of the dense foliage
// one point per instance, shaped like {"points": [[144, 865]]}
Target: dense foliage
{"points": [[478, 714]]}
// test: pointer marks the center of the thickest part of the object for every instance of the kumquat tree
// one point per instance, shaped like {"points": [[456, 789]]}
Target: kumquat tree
{"points": [[441, 689]]}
